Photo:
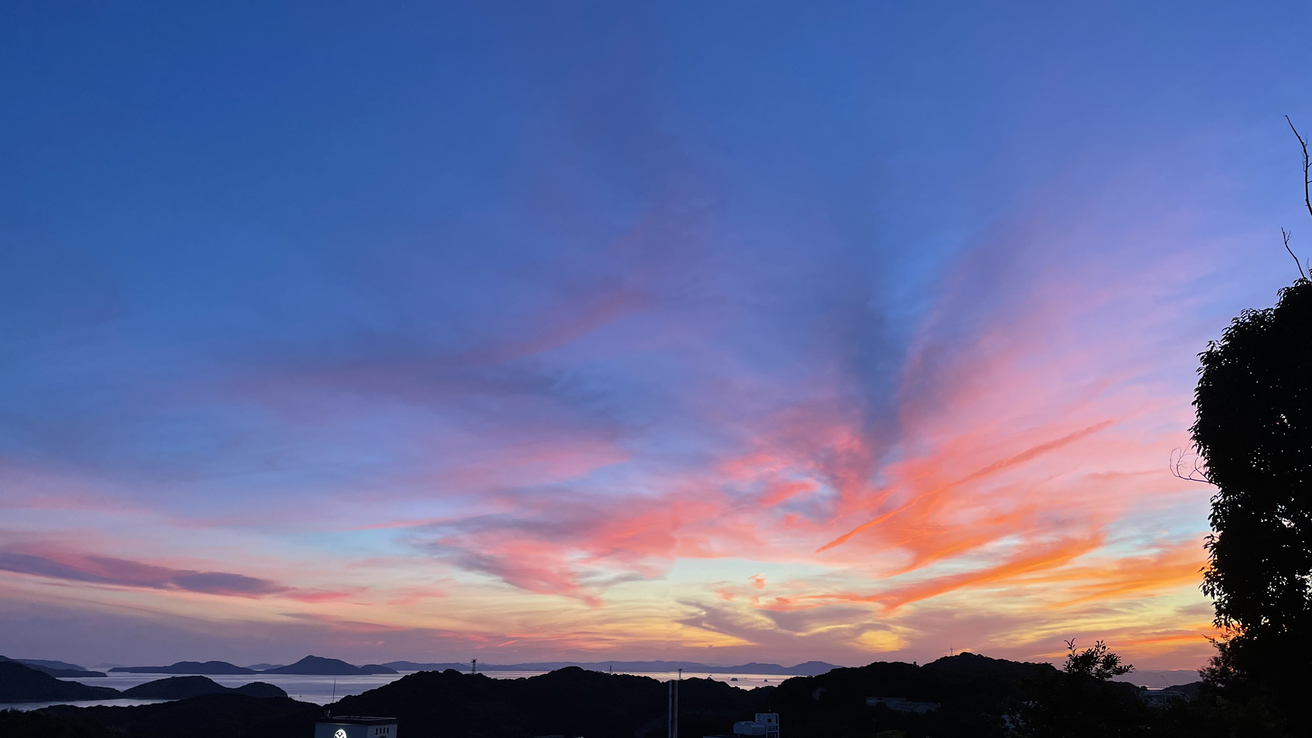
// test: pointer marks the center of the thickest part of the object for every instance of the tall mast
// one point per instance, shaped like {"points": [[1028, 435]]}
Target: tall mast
{"points": [[669, 709], [676, 704]]}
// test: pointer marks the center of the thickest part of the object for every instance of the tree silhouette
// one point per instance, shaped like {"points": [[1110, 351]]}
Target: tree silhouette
{"points": [[1094, 663], [1081, 700], [1253, 433]]}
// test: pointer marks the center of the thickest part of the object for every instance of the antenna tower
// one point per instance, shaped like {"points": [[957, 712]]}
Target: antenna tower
{"points": [[673, 687]]}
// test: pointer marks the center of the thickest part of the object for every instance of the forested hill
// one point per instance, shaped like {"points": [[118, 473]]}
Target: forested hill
{"points": [[975, 693], [568, 701], [810, 668], [21, 683]]}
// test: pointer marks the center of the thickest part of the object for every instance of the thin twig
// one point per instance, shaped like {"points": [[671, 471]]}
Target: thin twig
{"points": [[1285, 234], [1178, 468], [1307, 191], [1307, 182]]}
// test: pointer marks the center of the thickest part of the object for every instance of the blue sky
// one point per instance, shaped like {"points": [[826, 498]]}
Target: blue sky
{"points": [[588, 314]]}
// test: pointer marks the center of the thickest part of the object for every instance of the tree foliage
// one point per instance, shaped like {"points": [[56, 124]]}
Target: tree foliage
{"points": [[1095, 663], [1081, 701], [1253, 434]]}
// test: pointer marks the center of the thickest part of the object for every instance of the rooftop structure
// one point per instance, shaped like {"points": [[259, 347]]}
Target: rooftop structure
{"points": [[766, 725], [902, 704], [1161, 697], [355, 726]]}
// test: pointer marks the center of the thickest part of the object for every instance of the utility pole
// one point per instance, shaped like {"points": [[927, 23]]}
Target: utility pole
{"points": [[673, 721], [676, 704]]}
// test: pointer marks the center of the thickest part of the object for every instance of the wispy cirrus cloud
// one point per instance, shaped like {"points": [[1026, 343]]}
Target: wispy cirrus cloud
{"points": [[70, 566], [631, 370]]}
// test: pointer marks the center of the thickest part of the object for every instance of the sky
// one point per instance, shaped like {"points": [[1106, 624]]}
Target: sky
{"points": [[721, 332]]}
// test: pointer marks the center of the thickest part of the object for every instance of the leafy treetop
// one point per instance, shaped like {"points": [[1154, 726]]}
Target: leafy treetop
{"points": [[1095, 663]]}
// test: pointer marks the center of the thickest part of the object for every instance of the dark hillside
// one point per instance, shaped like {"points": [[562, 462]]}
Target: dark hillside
{"points": [[329, 667], [56, 668], [569, 701], [210, 716], [19, 683], [43, 724], [175, 688], [49, 664], [974, 693], [187, 667], [261, 689], [186, 687], [967, 667]]}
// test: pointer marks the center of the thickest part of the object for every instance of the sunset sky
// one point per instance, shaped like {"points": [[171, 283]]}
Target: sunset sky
{"points": [[724, 331]]}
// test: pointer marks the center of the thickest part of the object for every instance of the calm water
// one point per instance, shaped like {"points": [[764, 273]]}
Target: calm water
{"points": [[321, 689]]}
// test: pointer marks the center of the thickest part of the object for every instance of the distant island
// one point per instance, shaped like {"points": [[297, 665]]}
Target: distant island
{"points": [[318, 665], [186, 687], [321, 666], [22, 683], [187, 667], [310, 665], [810, 668], [961, 696], [56, 668]]}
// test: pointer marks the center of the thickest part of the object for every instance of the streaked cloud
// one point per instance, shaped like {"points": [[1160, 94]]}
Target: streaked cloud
{"points": [[125, 573], [613, 341]]}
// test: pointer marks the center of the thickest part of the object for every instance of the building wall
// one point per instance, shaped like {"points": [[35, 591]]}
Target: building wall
{"points": [[329, 730]]}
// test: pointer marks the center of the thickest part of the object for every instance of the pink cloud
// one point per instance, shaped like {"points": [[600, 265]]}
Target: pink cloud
{"points": [[53, 563]]}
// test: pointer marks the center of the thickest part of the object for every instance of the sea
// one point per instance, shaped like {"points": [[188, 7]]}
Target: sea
{"points": [[322, 690]]}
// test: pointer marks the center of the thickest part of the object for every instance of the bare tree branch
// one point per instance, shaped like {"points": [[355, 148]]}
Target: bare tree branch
{"points": [[1307, 182], [1188, 467], [1307, 193], [1286, 236]]}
